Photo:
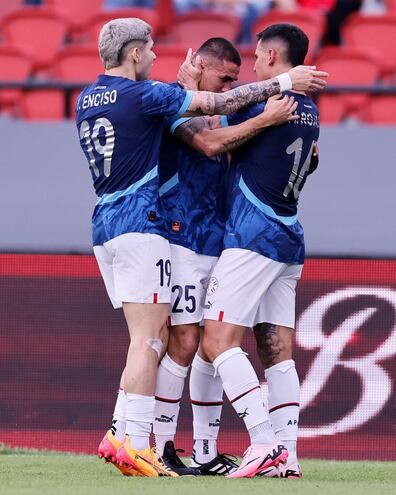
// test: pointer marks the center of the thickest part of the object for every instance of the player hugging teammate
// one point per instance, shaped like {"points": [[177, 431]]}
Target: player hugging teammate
{"points": [[182, 236]]}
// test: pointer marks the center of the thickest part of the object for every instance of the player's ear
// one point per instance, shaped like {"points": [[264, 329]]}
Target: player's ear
{"points": [[134, 54], [271, 58]]}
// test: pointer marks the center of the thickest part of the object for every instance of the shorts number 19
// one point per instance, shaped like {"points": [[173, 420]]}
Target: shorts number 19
{"points": [[165, 271]]}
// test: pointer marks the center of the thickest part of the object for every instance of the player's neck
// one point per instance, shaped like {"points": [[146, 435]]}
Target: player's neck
{"points": [[127, 71]]}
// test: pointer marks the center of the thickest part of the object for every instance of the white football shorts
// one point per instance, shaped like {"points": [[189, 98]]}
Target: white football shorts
{"points": [[247, 288], [135, 268], [190, 276]]}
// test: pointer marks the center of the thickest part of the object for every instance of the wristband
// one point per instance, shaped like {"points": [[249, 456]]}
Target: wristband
{"points": [[285, 82]]}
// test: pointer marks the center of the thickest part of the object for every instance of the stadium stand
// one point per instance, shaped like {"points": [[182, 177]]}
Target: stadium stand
{"points": [[76, 12], [247, 73], [376, 35], [391, 6], [310, 22], [55, 43], [15, 66], [381, 110], [197, 26], [39, 32], [43, 104], [7, 6], [95, 23], [169, 59], [77, 64], [346, 67]]}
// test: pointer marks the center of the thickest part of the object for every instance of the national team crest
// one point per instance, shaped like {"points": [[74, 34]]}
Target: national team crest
{"points": [[213, 285]]}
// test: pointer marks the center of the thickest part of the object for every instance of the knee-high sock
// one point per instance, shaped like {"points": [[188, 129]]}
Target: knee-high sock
{"points": [[139, 416], [284, 403], [118, 424], [206, 392], [170, 384], [242, 387]]}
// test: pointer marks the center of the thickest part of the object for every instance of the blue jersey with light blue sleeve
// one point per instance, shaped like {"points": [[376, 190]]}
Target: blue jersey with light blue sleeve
{"points": [[273, 168], [120, 124], [193, 190]]}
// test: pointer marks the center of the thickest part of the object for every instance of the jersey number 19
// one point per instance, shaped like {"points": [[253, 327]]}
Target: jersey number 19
{"points": [[94, 141]]}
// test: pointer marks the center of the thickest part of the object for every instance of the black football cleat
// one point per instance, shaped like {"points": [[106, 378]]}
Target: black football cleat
{"points": [[221, 465], [173, 461]]}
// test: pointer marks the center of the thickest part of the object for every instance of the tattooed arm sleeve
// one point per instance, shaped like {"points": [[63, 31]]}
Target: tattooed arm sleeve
{"points": [[203, 133], [206, 103]]}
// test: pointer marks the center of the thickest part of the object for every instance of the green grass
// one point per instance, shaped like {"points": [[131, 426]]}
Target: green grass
{"points": [[28, 472]]}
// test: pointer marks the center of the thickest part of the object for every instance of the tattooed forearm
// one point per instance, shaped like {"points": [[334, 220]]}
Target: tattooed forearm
{"points": [[189, 129], [245, 95], [235, 141], [225, 103]]}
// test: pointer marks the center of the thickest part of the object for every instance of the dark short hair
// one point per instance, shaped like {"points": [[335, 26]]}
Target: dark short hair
{"points": [[221, 49], [295, 39]]}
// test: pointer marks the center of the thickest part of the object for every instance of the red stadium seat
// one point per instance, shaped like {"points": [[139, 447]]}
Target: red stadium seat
{"points": [[382, 110], [247, 73], [391, 6], [166, 14], [77, 12], [169, 59], [346, 67], [78, 64], [15, 66], [7, 6], [197, 26], [311, 23], [95, 23], [43, 104], [375, 35], [37, 31]]}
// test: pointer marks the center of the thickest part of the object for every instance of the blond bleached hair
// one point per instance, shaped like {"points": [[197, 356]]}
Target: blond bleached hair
{"points": [[116, 34]]}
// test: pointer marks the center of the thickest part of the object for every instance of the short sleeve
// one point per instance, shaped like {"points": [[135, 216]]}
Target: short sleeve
{"points": [[160, 99]]}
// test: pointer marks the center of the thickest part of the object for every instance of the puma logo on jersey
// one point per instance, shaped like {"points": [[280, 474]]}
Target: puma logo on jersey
{"points": [[243, 414]]}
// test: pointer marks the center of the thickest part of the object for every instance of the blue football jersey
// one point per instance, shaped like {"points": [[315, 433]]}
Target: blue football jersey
{"points": [[272, 170], [193, 190], [120, 124]]}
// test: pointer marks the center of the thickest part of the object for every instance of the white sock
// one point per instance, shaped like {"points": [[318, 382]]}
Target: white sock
{"points": [[118, 424], [206, 393], [170, 384], [242, 387], [139, 416], [284, 403]]}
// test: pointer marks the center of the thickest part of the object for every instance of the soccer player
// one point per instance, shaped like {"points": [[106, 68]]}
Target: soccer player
{"points": [[254, 281], [193, 191], [120, 119]]}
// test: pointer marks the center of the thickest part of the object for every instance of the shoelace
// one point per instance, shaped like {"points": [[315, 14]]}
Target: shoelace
{"points": [[231, 460]]}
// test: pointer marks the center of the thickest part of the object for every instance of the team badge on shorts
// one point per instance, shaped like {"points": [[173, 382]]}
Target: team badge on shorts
{"points": [[212, 285]]}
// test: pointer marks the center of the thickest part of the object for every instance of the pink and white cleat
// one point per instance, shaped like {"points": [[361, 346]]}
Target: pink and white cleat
{"points": [[292, 471], [258, 458]]}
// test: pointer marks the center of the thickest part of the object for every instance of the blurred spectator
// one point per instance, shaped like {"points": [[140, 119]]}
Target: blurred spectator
{"points": [[336, 18], [32, 2], [336, 11], [373, 7], [247, 10], [125, 4]]}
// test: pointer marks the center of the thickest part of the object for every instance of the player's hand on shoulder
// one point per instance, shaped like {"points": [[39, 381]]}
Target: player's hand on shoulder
{"points": [[190, 71], [307, 78], [280, 109]]}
